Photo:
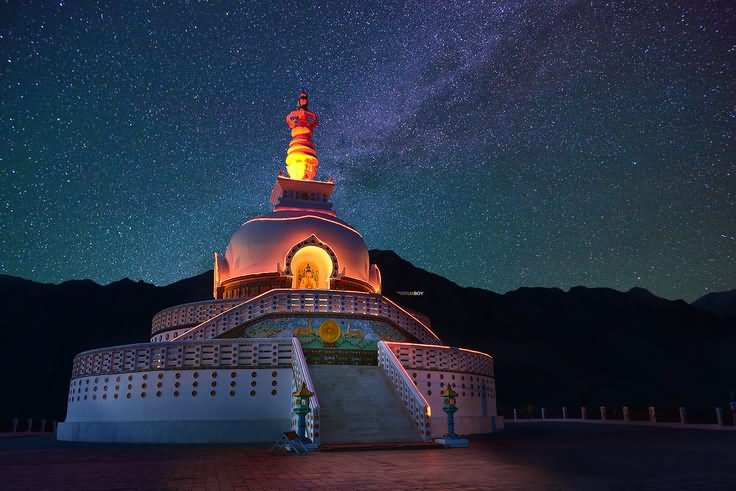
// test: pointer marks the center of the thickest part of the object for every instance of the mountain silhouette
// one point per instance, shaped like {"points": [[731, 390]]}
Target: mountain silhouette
{"points": [[722, 304], [584, 346], [551, 347]]}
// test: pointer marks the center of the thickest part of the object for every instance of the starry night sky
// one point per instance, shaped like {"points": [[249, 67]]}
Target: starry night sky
{"points": [[499, 144]]}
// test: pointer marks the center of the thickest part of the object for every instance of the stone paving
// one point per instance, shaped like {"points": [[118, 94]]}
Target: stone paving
{"points": [[527, 456]]}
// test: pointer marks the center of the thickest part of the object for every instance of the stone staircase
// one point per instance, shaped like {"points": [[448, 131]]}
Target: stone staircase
{"points": [[359, 405]]}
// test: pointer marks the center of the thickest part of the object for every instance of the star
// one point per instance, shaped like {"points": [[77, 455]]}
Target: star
{"points": [[499, 144]]}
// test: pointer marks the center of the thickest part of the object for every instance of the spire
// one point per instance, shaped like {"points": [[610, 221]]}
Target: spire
{"points": [[301, 158]]}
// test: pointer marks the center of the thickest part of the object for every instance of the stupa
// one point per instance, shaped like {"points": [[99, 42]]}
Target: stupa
{"points": [[297, 310]]}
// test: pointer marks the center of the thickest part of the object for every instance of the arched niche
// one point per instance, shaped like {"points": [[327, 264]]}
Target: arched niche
{"points": [[312, 268]]}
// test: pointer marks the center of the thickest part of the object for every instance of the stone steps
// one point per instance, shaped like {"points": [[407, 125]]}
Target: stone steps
{"points": [[359, 405]]}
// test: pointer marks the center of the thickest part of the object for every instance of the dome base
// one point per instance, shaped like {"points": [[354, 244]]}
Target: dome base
{"points": [[251, 286]]}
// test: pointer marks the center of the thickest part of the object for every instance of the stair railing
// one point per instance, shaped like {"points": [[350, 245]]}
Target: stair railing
{"points": [[302, 375], [416, 404]]}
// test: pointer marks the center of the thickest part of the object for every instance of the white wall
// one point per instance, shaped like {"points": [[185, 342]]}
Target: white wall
{"points": [[144, 406], [476, 400], [151, 396]]}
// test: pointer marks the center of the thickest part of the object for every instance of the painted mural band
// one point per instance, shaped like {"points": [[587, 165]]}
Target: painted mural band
{"points": [[328, 333]]}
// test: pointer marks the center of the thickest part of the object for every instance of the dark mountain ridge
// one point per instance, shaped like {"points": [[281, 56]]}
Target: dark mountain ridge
{"points": [[551, 347], [583, 346], [722, 304]]}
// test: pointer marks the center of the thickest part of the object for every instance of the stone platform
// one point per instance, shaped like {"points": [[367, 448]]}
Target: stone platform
{"points": [[543, 456]]}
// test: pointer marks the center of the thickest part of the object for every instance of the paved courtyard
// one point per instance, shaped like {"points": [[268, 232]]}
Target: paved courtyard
{"points": [[530, 456]]}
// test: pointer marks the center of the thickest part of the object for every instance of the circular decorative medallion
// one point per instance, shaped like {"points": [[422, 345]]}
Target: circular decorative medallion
{"points": [[329, 331]]}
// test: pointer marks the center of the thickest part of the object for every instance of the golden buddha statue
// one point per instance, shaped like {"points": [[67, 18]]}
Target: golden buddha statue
{"points": [[308, 278]]}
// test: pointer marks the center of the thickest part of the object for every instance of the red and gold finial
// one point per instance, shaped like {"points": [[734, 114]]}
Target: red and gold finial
{"points": [[301, 158]]}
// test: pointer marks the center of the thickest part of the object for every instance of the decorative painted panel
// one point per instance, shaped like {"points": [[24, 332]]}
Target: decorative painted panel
{"points": [[327, 333]]}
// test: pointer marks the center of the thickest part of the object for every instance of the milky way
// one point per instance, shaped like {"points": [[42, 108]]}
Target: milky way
{"points": [[500, 144]]}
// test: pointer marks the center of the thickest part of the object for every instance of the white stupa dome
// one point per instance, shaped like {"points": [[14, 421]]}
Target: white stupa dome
{"points": [[301, 244], [261, 245]]}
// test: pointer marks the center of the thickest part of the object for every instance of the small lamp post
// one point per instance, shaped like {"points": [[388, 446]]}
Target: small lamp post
{"points": [[301, 409], [450, 408]]}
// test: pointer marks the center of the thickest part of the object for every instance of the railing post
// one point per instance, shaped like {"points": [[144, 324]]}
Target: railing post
{"points": [[14, 423], [543, 414], [43, 426], [583, 411], [564, 412], [683, 415], [603, 413], [627, 417], [516, 414], [719, 416], [652, 414], [30, 425]]}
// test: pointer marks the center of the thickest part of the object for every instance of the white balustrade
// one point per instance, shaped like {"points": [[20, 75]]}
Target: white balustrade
{"points": [[211, 353], [442, 358], [190, 314], [413, 400], [302, 375], [288, 301]]}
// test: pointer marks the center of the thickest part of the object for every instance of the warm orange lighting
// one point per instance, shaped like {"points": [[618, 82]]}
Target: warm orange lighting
{"points": [[311, 268], [302, 217], [419, 345], [476, 352], [301, 157]]}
